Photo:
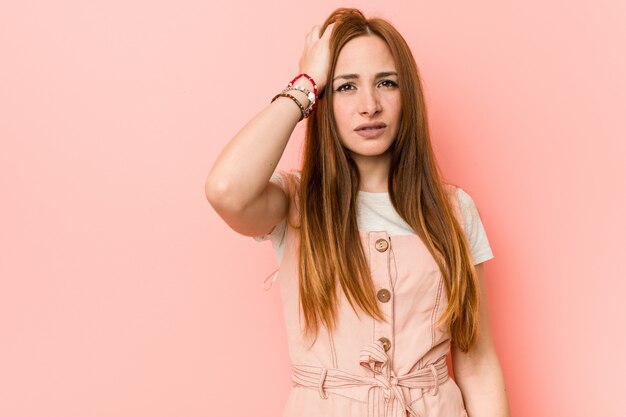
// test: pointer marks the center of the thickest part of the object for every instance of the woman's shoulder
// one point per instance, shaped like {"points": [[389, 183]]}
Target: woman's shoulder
{"points": [[453, 192], [460, 200], [472, 224], [450, 187], [458, 194]]}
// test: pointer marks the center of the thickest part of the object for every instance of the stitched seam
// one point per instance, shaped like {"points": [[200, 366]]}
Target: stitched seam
{"points": [[435, 308], [369, 261], [391, 302], [393, 281]]}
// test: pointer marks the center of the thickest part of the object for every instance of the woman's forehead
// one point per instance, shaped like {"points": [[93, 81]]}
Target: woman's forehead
{"points": [[365, 54]]}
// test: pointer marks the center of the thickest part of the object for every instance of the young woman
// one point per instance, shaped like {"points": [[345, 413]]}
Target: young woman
{"points": [[381, 271]]}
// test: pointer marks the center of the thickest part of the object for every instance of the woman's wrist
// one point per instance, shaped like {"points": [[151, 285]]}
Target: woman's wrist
{"points": [[304, 83], [303, 96], [306, 78], [302, 90], [312, 95]]}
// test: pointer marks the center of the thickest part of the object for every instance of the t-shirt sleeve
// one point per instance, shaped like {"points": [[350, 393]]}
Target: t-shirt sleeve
{"points": [[278, 232], [474, 230]]}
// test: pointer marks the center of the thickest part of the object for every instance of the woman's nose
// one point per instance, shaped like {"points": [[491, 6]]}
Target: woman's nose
{"points": [[370, 103]]}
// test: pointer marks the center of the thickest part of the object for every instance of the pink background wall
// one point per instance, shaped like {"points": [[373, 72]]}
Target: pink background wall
{"points": [[122, 293]]}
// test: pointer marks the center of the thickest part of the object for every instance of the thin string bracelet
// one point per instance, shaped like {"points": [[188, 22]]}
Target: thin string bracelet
{"points": [[295, 100]]}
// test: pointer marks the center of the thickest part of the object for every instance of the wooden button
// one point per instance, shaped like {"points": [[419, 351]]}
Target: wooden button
{"points": [[386, 343], [384, 295], [381, 245]]}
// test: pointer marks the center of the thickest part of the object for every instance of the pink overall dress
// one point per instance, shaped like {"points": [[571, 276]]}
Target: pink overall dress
{"points": [[366, 367]]}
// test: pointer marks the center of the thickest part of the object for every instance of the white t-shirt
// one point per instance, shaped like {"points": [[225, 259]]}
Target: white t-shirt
{"points": [[375, 212]]}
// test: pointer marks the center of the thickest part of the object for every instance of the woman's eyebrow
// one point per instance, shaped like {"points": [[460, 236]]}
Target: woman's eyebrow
{"points": [[354, 76]]}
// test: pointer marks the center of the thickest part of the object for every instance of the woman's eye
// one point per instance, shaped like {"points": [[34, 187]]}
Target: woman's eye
{"points": [[344, 87], [389, 83]]}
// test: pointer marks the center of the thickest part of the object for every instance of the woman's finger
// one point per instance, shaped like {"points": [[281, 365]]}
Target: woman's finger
{"points": [[311, 37], [316, 31]]}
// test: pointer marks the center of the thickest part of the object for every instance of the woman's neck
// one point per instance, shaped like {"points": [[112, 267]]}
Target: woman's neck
{"points": [[374, 172]]}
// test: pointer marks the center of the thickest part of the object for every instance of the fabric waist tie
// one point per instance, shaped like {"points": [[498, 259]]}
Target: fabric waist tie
{"points": [[385, 397]]}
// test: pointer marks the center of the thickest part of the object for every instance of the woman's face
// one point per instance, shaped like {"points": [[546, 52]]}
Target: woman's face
{"points": [[366, 93]]}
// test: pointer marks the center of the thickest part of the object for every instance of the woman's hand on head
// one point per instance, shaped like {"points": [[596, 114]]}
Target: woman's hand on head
{"points": [[315, 58]]}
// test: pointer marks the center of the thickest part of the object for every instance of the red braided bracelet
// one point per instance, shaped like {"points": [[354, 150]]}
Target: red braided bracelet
{"points": [[308, 78], [312, 82]]}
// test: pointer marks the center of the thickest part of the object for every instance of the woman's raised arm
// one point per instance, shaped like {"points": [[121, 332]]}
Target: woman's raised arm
{"points": [[238, 185]]}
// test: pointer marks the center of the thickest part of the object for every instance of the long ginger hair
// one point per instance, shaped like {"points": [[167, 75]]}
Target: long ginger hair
{"points": [[330, 247]]}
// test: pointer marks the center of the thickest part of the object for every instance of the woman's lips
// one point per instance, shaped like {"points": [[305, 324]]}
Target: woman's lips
{"points": [[371, 133]]}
